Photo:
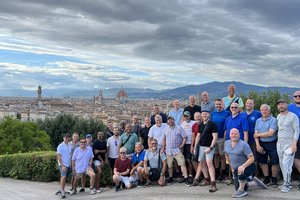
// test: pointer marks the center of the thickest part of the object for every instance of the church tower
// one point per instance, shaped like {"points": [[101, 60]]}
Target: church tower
{"points": [[39, 92]]}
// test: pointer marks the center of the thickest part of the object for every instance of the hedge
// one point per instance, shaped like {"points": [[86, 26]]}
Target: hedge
{"points": [[38, 166]]}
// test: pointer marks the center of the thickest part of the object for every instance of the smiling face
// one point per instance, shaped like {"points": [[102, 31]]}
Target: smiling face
{"points": [[249, 104], [192, 100], [176, 103], [234, 135], [265, 111], [234, 108], [218, 105], [282, 107], [296, 97]]}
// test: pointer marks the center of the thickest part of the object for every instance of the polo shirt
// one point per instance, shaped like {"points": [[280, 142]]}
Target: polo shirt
{"points": [[262, 126], [177, 115], [296, 110], [219, 119], [152, 157], [239, 122], [238, 154], [138, 158], [210, 106], [251, 118]]}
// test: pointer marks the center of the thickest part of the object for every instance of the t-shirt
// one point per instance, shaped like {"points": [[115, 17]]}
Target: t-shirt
{"points": [[158, 133], [296, 110], [114, 144], [72, 147], [239, 122], [64, 151], [251, 118], [207, 136], [238, 154], [136, 129], [163, 116], [152, 157], [122, 165], [288, 127], [192, 110], [263, 126], [130, 144], [138, 158], [144, 135], [187, 127], [99, 145], [195, 128], [82, 159], [219, 119]]}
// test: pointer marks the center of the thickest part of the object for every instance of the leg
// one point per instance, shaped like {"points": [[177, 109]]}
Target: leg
{"points": [[97, 178]]}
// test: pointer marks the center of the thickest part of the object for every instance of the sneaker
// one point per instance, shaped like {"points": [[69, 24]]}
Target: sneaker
{"points": [[99, 190], [274, 182], [82, 190], [118, 188], [186, 182], [58, 192], [213, 187], [285, 188], [259, 183], [267, 180], [298, 187], [239, 194], [140, 184], [62, 195], [204, 183], [73, 191], [148, 183], [195, 182], [181, 180], [220, 179], [170, 181], [229, 181], [92, 192], [190, 180]]}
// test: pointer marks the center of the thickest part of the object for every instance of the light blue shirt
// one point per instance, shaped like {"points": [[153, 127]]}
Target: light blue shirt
{"points": [[64, 151], [177, 115], [262, 126], [82, 159]]}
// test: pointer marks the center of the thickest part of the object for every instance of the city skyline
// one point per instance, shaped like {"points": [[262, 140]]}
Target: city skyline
{"points": [[147, 44]]}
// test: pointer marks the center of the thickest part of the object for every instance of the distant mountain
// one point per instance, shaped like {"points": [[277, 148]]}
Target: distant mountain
{"points": [[215, 90]]}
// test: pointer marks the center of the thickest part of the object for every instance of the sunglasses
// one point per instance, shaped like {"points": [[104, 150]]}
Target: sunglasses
{"points": [[82, 142], [297, 96], [122, 152], [234, 107], [154, 143]]}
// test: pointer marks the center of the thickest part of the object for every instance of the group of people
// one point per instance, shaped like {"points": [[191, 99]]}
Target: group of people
{"points": [[224, 140]]}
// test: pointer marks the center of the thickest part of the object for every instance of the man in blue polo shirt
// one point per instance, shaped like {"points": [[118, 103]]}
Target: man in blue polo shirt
{"points": [[219, 117], [295, 108], [251, 115], [176, 112], [238, 121], [266, 139]]}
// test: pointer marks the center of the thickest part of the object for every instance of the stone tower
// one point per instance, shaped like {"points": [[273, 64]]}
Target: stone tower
{"points": [[39, 92]]}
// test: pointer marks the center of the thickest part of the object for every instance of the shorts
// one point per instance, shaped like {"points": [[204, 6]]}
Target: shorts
{"points": [[134, 178], [80, 175], [219, 148], [97, 163], [205, 156], [64, 174], [125, 180], [187, 152], [249, 171], [178, 157], [196, 156], [297, 154], [270, 151]]}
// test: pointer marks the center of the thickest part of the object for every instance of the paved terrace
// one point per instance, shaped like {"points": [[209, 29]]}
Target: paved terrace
{"points": [[27, 190]]}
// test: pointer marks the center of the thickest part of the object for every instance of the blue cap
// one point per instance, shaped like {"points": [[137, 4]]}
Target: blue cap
{"points": [[88, 136]]}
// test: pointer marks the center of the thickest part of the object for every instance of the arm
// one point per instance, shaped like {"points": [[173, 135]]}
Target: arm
{"points": [[213, 142], [296, 134], [246, 136], [270, 133], [163, 149], [246, 164], [63, 168], [197, 142], [183, 143], [164, 168], [258, 147], [192, 143]]}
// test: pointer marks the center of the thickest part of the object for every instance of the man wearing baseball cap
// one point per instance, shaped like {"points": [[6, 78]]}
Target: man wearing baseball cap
{"points": [[288, 133]]}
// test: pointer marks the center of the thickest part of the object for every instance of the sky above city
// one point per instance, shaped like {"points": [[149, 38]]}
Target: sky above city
{"points": [[91, 44]]}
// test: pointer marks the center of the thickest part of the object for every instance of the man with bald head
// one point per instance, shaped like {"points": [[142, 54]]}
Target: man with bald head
{"points": [[240, 157], [231, 98], [295, 108], [176, 112], [192, 107], [206, 103]]}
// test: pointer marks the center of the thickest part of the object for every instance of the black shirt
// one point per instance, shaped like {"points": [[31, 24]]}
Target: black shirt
{"points": [[144, 134], [192, 110], [99, 145], [206, 136]]}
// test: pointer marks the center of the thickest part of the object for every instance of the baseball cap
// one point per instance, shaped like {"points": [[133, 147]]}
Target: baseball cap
{"points": [[281, 101], [187, 113]]}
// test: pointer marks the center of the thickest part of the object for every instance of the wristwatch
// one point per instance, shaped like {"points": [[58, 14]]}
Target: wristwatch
{"points": [[211, 148]]}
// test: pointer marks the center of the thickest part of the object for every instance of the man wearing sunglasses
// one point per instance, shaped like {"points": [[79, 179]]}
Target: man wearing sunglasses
{"points": [[295, 108], [82, 161]]}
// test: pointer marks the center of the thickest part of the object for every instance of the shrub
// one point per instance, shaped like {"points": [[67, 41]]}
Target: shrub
{"points": [[38, 166]]}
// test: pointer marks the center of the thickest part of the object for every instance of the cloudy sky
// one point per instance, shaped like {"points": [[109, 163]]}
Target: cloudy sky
{"points": [[157, 44]]}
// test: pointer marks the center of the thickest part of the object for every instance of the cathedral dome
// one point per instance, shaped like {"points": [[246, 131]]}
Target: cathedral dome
{"points": [[122, 94]]}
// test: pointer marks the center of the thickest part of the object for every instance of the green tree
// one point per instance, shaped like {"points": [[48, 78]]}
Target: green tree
{"points": [[269, 97], [67, 123], [17, 136]]}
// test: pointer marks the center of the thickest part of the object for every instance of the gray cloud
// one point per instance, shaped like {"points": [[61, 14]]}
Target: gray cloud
{"points": [[219, 35]]}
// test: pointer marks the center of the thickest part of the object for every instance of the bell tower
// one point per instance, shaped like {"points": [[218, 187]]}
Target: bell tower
{"points": [[39, 92]]}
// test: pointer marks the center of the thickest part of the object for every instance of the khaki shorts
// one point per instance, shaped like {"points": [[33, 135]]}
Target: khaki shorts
{"points": [[80, 175], [219, 148], [178, 157]]}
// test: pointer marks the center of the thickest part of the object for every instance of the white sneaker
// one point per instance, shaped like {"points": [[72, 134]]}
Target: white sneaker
{"points": [[99, 191], [92, 192]]}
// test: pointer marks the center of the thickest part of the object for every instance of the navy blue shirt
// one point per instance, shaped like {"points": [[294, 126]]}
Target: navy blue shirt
{"points": [[251, 118], [219, 119], [239, 122]]}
